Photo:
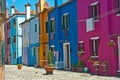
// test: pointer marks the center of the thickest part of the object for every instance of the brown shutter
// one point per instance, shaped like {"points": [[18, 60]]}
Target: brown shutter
{"points": [[90, 11], [116, 6], [91, 46]]}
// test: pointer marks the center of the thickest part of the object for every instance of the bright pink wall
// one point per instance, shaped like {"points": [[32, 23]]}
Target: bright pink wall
{"points": [[102, 30]]}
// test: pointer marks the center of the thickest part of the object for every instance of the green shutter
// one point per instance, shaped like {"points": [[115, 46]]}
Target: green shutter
{"points": [[67, 22], [63, 22], [50, 25]]}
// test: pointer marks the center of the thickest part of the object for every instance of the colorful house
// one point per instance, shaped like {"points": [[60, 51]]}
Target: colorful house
{"points": [[98, 35], [34, 40], [43, 35], [15, 36], [7, 41], [26, 36], [63, 34]]}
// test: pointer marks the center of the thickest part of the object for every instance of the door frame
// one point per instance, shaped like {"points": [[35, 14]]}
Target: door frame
{"points": [[65, 56], [118, 54]]}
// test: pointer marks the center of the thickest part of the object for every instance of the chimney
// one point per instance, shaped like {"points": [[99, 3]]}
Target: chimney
{"points": [[12, 10], [41, 4], [27, 11], [7, 13], [37, 7]]}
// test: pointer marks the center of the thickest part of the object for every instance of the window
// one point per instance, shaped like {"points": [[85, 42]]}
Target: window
{"points": [[35, 27], [14, 22], [117, 6], [47, 27], [94, 11], [8, 40], [8, 25], [65, 22], [34, 51], [14, 39], [14, 55], [0, 7], [81, 46], [52, 24], [94, 46], [52, 48]]}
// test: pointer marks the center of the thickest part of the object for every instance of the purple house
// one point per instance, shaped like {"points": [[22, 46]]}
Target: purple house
{"points": [[99, 35], [7, 41]]}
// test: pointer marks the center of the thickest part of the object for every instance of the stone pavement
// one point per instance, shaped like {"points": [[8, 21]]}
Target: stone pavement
{"points": [[32, 73]]}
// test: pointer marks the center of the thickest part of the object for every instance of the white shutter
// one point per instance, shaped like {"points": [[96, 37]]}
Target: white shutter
{"points": [[89, 24]]}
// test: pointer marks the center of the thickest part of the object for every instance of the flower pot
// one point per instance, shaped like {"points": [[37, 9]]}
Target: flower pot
{"points": [[49, 70], [19, 66]]}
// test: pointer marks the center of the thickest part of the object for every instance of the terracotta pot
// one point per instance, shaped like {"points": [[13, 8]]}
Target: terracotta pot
{"points": [[19, 66], [49, 70]]}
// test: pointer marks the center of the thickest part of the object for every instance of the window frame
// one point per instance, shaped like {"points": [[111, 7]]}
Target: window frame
{"points": [[95, 45], [81, 48], [65, 21], [52, 25], [35, 28], [95, 13], [46, 26]]}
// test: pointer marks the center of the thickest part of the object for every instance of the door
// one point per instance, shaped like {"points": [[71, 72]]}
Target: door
{"points": [[119, 51], [37, 48], [66, 53]]}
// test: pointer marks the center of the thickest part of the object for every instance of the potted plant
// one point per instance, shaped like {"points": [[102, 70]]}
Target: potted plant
{"points": [[80, 66], [104, 65], [111, 43], [19, 66], [49, 67]]}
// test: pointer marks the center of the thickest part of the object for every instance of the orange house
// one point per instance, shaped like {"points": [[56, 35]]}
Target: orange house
{"points": [[43, 48]]}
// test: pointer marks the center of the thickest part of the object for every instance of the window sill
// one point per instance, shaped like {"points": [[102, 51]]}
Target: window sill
{"points": [[94, 56], [117, 14], [96, 20]]}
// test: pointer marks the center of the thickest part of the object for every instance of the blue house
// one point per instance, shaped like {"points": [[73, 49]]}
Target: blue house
{"points": [[63, 34], [15, 36], [34, 41], [30, 38]]}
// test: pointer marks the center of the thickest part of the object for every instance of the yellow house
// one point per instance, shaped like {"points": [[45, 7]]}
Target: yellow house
{"points": [[43, 34]]}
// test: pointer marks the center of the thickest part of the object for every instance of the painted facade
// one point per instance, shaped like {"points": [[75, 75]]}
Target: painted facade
{"points": [[63, 34], [34, 40], [16, 38], [7, 41], [98, 27], [30, 42], [25, 41], [43, 36]]}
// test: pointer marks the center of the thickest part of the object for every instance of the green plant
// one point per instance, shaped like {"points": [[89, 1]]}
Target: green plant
{"points": [[50, 58], [19, 64], [80, 63]]}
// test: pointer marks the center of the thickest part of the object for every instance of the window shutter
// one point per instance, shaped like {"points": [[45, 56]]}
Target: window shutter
{"points": [[46, 27], [53, 26], [67, 21], [63, 22], [116, 6], [91, 47], [50, 25], [98, 10], [90, 11]]}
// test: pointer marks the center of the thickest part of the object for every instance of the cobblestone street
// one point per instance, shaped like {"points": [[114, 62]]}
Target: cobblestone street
{"points": [[32, 73]]}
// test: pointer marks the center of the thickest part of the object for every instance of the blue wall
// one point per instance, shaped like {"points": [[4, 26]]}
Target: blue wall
{"points": [[16, 31], [72, 36]]}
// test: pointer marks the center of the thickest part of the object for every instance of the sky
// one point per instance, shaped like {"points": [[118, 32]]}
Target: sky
{"points": [[20, 4]]}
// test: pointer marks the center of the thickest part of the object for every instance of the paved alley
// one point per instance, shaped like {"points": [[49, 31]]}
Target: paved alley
{"points": [[32, 73]]}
